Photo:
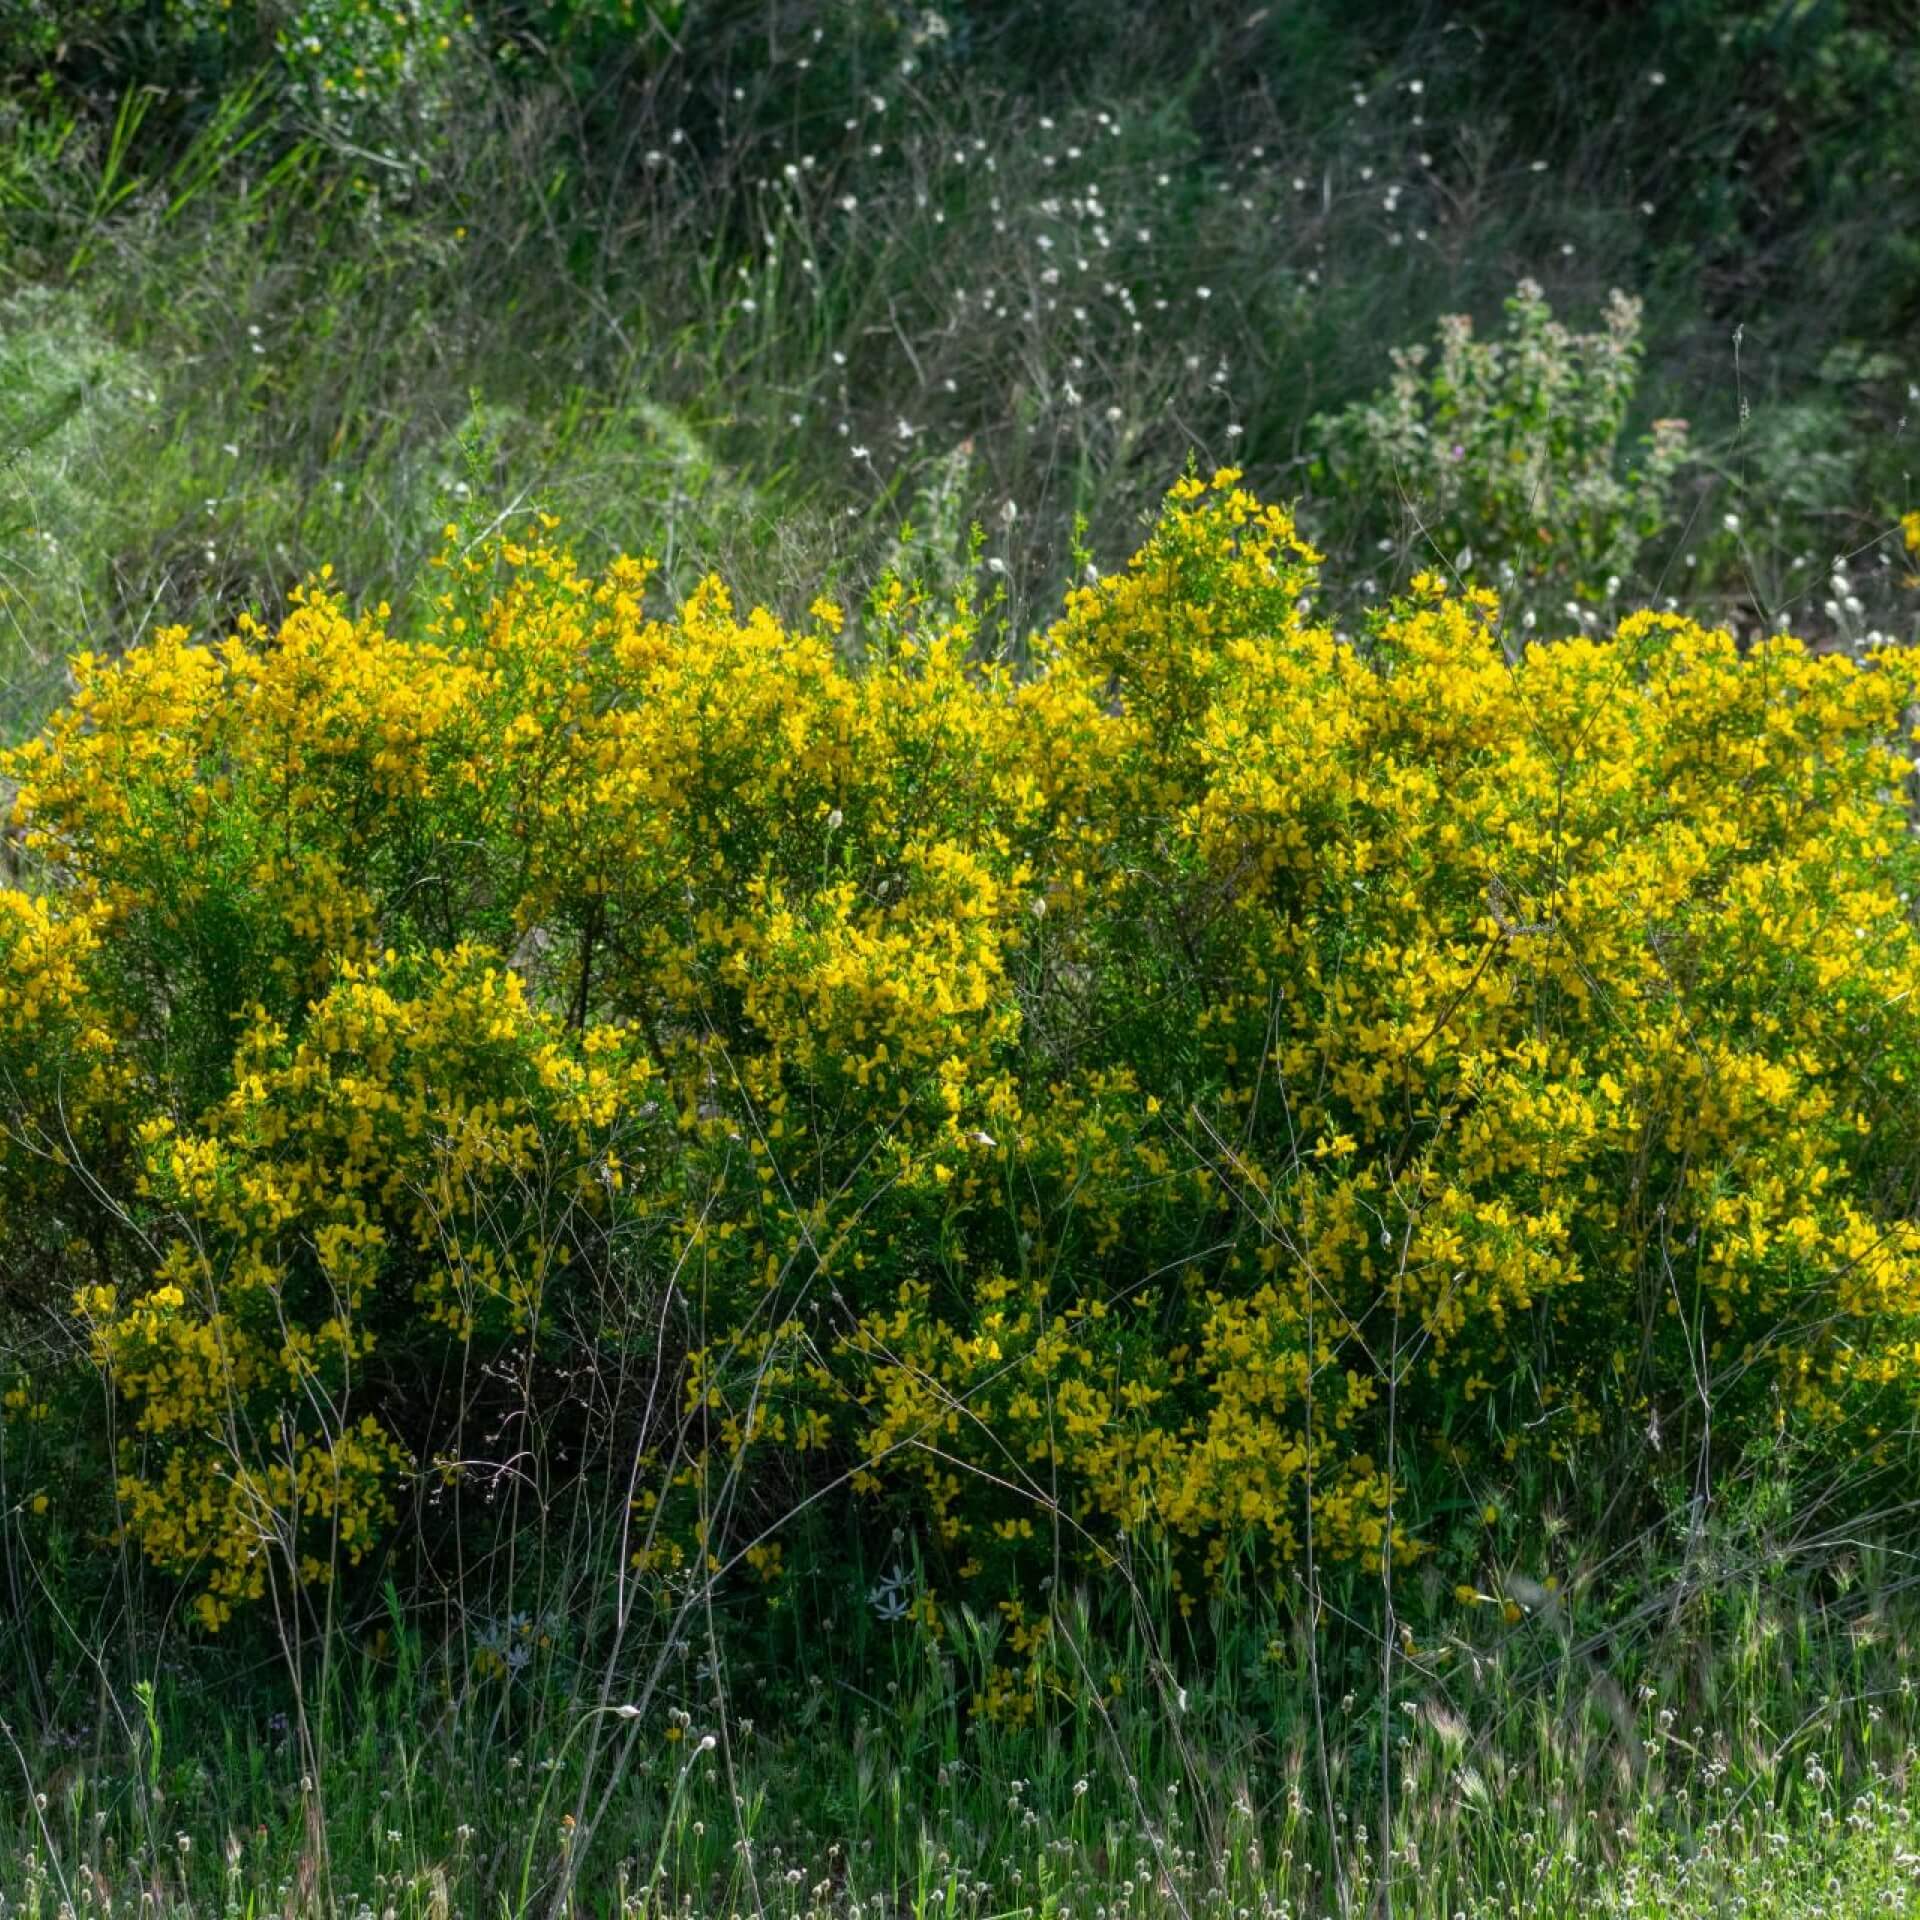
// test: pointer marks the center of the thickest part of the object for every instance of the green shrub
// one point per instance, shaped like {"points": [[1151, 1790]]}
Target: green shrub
{"points": [[1506, 456]]}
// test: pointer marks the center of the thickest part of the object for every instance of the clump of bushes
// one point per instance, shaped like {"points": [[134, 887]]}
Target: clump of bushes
{"points": [[1510, 455], [1223, 1087]]}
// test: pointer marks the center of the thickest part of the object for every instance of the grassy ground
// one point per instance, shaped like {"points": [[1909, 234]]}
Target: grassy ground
{"points": [[1701, 1722], [1749, 1756]]}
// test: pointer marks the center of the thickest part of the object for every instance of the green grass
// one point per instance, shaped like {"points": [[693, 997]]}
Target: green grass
{"points": [[1673, 1728], [1744, 1753]]}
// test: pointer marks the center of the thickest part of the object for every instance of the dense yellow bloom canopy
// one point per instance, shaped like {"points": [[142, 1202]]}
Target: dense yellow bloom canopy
{"points": [[1200, 1087]]}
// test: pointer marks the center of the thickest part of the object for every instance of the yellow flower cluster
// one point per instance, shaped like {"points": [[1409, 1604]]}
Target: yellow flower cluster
{"points": [[1184, 1091], [62, 1077]]}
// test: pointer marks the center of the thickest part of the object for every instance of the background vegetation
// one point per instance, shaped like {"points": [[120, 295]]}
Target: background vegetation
{"points": [[761, 284], [815, 294]]}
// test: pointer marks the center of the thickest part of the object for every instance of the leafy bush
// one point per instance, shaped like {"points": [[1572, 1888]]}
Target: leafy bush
{"points": [[1509, 451], [361, 65], [1224, 1087]]}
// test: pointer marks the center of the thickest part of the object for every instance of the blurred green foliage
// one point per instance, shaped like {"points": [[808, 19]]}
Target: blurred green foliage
{"points": [[990, 252]]}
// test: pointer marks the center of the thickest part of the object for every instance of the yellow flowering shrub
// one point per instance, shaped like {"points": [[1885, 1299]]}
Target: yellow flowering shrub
{"points": [[60, 1071], [1203, 1088]]}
